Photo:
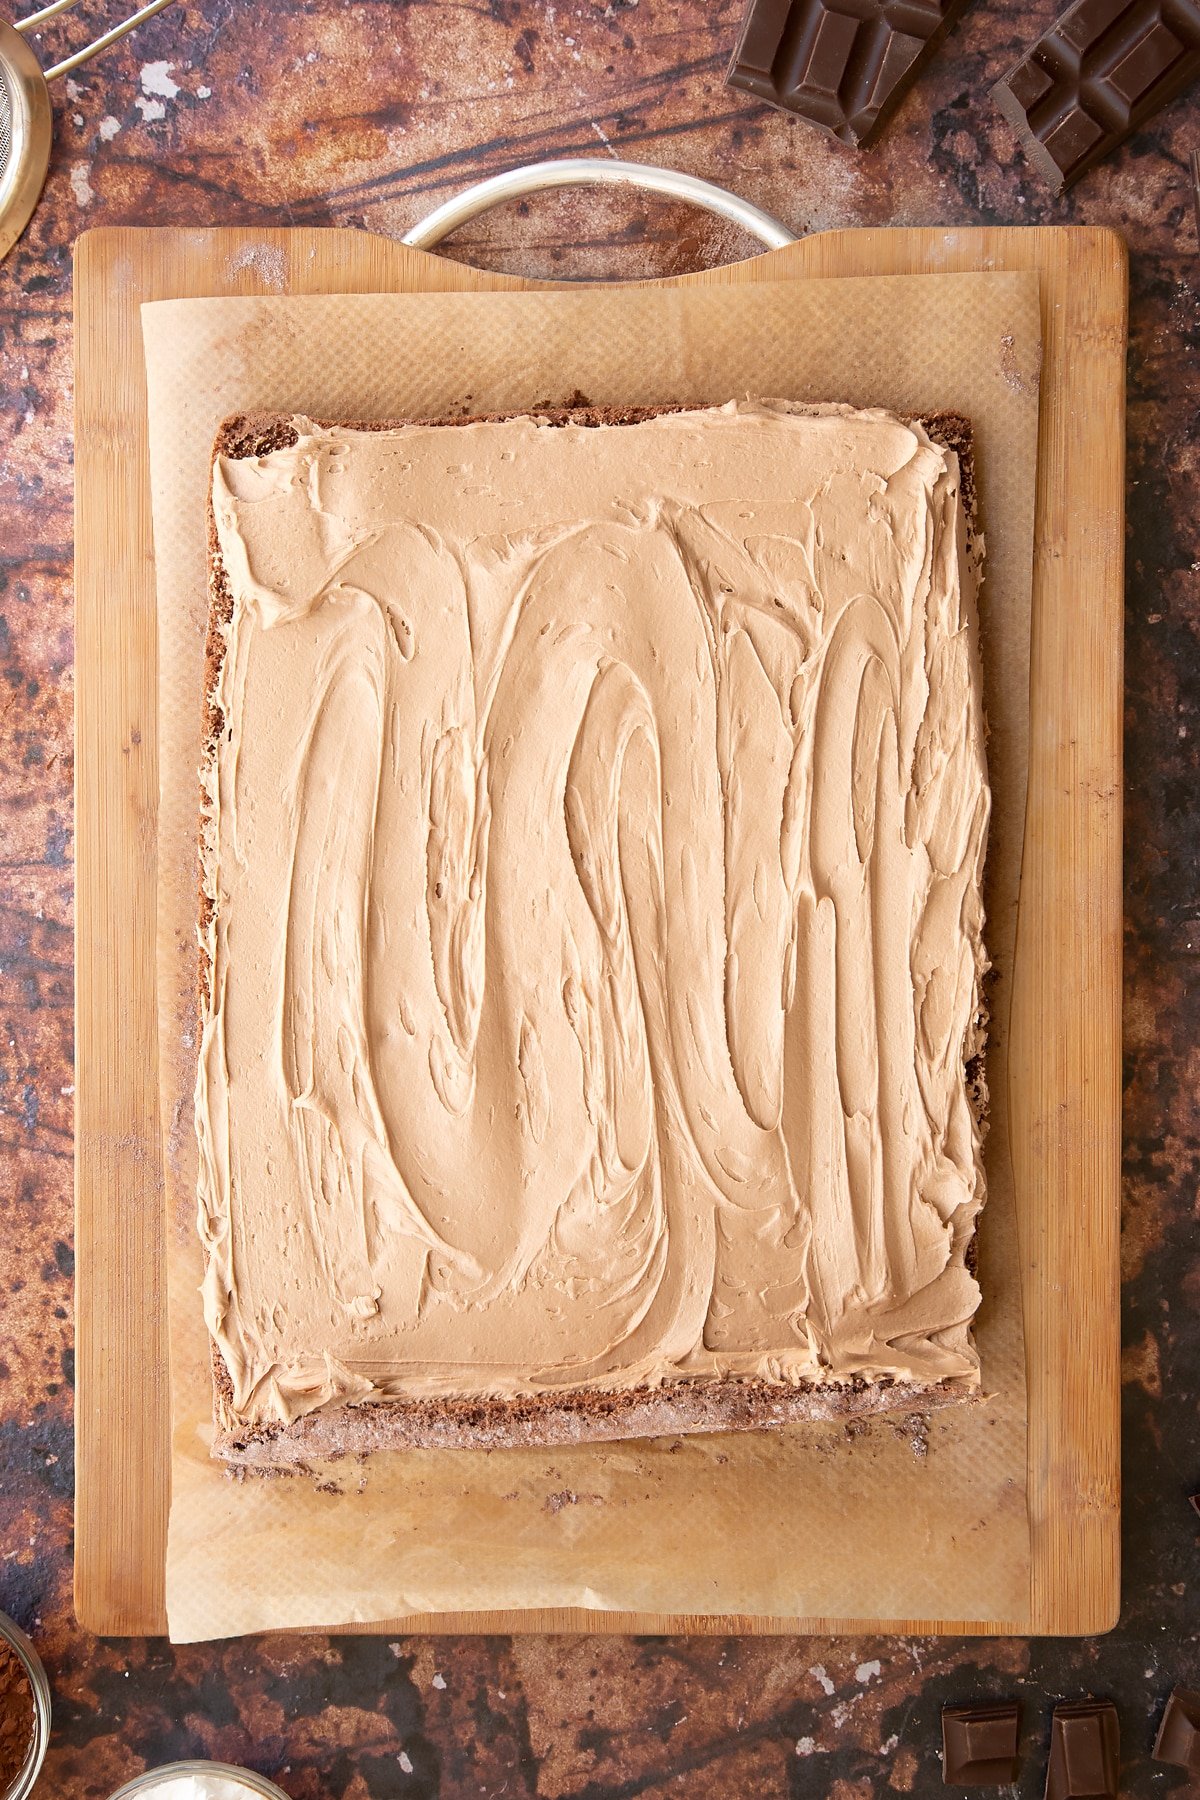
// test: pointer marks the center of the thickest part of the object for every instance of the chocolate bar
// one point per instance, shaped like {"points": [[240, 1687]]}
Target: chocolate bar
{"points": [[1178, 1739], [979, 1744], [840, 64], [1103, 68], [1085, 1751]]}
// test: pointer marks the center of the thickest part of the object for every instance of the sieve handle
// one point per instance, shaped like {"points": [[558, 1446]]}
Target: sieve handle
{"points": [[588, 171], [35, 20]]}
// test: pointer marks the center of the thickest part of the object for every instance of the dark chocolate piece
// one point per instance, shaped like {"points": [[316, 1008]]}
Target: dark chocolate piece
{"points": [[979, 1744], [1194, 1499], [840, 64], [1103, 68], [1178, 1739], [1085, 1751]]}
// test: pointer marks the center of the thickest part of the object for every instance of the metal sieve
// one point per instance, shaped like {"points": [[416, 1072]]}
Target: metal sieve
{"points": [[26, 119]]}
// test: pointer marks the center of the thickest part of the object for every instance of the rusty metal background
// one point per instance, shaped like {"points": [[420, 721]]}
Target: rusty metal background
{"points": [[366, 112]]}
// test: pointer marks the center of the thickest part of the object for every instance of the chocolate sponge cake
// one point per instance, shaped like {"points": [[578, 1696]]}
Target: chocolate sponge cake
{"points": [[594, 816]]}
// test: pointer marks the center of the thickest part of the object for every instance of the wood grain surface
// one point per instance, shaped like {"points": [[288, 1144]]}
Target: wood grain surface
{"points": [[364, 114], [1065, 1056]]}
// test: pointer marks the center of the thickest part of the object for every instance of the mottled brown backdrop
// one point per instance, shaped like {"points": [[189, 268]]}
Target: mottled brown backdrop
{"points": [[365, 112]]}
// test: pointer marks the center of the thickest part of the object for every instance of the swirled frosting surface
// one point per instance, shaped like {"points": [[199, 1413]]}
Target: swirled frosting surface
{"points": [[595, 838]]}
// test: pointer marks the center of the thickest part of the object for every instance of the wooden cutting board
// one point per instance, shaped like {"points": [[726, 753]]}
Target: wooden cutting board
{"points": [[1066, 1035]]}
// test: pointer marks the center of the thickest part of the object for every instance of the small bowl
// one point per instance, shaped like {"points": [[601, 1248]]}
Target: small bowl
{"points": [[22, 1785], [144, 1785]]}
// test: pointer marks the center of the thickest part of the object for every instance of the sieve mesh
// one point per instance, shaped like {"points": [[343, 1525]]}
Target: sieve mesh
{"points": [[5, 121]]}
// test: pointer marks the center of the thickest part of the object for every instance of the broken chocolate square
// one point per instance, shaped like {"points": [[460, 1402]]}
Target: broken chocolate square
{"points": [[1178, 1739], [1085, 1751], [979, 1744]]}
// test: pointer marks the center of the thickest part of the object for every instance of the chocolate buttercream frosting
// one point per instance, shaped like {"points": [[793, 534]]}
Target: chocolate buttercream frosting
{"points": [[592, 846]]}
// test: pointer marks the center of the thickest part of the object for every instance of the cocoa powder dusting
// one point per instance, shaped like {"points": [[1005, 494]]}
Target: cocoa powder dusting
{"points": [[16, 1716]]}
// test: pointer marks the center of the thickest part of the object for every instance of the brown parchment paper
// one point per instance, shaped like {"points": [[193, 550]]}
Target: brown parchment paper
{"points": [[808, 1521]]}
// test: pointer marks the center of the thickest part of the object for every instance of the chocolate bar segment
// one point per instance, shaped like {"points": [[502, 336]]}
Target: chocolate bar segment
{"points": [[1085, 1752], [979, 1744], [1103, 68], [841, 64], [1178, 1739]]}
